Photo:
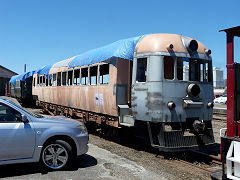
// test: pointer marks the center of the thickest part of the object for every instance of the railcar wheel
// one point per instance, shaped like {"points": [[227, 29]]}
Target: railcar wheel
{"points": [[57, 155]]}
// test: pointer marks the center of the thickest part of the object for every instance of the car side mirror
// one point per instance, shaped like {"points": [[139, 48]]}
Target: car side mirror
{"points": [[24, 119]]}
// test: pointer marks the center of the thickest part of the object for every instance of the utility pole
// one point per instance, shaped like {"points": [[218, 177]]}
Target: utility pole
{"points": [[25, 67]]}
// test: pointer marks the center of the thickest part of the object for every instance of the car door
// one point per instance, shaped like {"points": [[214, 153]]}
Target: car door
{"points": [[17, 139]]}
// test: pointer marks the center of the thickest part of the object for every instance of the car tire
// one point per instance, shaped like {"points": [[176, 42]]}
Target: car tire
{"points": [[57, 155]]}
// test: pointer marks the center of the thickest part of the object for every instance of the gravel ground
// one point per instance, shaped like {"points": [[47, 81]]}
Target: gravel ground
{"points": [[126, 158]]}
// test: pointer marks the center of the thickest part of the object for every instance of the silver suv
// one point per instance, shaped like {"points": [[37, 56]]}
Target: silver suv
{"points": [[25, 137]]}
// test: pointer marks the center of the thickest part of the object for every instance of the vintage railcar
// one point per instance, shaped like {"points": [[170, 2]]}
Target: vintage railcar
{"points": [[162, 82]]}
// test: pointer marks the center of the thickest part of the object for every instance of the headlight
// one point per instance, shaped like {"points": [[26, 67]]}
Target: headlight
{"points": [[82, 128]]}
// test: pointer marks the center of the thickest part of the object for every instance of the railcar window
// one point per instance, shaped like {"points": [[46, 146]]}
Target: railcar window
{"points": [[46, 77], [34, 81], [104, 74], [76, 76], [70, 78], [168, 67], [50, 80], [54, 80], [59, 79], [93, 75], [180, 68], [209, 72], [201, 73], [194, 70], [64, 78], [41, 80], [84, 76], [141, 69], [38, 80]]}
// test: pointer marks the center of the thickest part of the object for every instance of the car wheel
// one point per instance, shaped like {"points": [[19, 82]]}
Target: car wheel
{"points": [[57, 155]]}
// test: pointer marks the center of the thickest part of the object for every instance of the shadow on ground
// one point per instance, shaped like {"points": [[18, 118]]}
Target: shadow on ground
{"points": [[83, 161]]}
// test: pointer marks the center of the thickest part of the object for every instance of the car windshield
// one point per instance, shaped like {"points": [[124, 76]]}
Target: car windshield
{"points": [[224, 95], [35, 115]]}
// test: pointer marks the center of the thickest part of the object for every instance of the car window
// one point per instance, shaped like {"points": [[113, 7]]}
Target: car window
{"points": [[8, 114], [35, 115]]}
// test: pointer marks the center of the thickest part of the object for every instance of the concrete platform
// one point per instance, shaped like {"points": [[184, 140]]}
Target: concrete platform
{"points": [[220, 108]]}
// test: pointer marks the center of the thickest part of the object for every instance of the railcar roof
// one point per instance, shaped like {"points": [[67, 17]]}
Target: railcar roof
{"points": [[161, 42], [123, 49]]}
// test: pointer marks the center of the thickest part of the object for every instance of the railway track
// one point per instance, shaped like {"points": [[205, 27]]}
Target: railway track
{"points": [[219, 117]]}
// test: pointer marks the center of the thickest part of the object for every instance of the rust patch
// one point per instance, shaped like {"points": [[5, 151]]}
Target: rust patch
{"points": [[154, 94], [153, 101], [133, 98], [140, 89]]}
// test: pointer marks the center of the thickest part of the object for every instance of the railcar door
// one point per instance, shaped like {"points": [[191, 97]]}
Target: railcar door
{"points": [[146, 88], [139, 88]]}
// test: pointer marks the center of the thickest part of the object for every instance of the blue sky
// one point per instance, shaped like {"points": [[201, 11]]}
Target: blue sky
{"points": [[41, 32]]}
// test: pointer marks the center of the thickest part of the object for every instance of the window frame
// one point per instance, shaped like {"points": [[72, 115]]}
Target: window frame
{"points": [[77, 78], [85, 77], [67, 77], [90, 83], [54, 84], [203, 76], [99, 74], [174, 73], [145, 72]]}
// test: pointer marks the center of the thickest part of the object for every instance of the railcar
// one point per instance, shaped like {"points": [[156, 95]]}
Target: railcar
{"points": [[158, 82], [22, 90]]}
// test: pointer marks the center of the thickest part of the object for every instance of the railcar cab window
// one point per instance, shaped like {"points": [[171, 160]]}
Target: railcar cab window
{"points": [[141, 70], [104, 74], [76, 77], [9, 115], [84, 76], [64, 78], [70, 78], [168, 67], [193, 70], [209, 72], [93, 75]]}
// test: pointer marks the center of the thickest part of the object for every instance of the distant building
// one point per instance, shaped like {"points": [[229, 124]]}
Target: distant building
{"points": [[5, 76], [218, 81]]}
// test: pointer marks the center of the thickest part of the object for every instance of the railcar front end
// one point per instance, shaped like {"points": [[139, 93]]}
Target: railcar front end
{"points": [[172, 91]]}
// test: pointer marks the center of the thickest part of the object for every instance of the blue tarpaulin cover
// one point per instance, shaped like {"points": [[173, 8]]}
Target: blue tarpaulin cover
{"points": [[123, 49], [24, 76]]}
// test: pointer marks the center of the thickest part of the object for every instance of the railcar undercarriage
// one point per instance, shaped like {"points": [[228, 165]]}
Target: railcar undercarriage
{"points": [[168, 137]]}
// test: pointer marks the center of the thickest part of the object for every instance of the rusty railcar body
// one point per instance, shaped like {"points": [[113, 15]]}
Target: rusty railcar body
{"points": [[165, 87]]}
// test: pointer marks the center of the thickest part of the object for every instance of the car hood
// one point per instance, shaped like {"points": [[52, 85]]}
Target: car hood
{"points": [[58, 119]]}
